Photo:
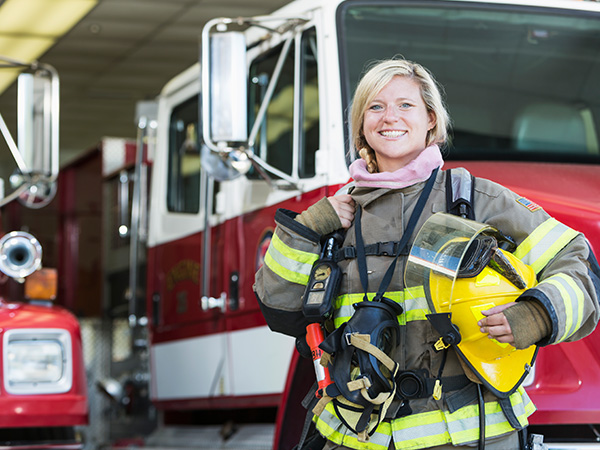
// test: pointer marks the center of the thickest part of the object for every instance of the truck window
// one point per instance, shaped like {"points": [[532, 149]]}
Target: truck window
{"points": [[183, 181], [275, 140], [309, 134], [521, 84]]}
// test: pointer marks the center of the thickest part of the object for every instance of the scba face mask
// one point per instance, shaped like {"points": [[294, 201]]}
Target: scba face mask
{"points": [[463, 270], [361, 368]]}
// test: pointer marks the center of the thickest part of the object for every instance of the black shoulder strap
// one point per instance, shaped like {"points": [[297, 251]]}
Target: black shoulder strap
{"points": [[460, 188], [403, 247]]}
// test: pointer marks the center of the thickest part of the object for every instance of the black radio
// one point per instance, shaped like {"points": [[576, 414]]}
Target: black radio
{"points": [[323, 283]]}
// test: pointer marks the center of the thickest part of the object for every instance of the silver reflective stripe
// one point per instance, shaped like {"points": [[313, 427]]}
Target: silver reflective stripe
{"points": [[288, 263], [415, 308], [544, 244], [573, 299], [333, 429], [438, 427], [411, 304], [423, 432], [461, 185], [520, 409], [345, 311], [332, 420], [466, 429]]}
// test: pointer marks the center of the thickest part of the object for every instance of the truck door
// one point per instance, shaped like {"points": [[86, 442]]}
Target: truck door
{"points": [[288, 140], [186, 335]]}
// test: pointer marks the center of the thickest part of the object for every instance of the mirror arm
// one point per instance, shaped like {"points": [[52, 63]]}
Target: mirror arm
{"points": [[12, 146], [14, 195], [9, 62], [269, 168], [270, 90]]}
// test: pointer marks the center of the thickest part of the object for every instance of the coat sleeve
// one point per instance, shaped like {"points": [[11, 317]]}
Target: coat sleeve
{"points": [[281, 280], [567, 272]]}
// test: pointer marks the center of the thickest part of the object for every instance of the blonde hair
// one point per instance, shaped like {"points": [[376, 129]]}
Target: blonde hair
{"points": [[374, 81]]}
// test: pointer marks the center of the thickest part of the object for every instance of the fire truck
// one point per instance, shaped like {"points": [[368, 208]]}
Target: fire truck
{"points": [[261, 123], [43, 390]]}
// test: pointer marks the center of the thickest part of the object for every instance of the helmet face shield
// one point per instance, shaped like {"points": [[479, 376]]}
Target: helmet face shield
{"points": [[443, 249], [462, 271]]}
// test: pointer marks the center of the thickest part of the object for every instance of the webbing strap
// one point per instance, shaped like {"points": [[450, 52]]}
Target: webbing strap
{"points": [[389, 248], [402, 247], [508, 411], [363, 342], [321, 404]]}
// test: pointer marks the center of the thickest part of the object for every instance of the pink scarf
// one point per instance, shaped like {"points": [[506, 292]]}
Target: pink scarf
{"points": [[419, 169]]}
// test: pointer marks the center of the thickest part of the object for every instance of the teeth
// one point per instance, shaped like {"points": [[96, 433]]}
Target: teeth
{"points": [[392, 134]]}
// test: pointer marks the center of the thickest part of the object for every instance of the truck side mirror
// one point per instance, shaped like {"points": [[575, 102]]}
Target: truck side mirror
{"points": [[224, 103], [224, 88], [37, 127], [37, 135], [36, 156], [228, 88], [225, 100]]}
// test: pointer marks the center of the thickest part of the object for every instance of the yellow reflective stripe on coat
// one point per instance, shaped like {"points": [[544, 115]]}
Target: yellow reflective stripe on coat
{"points": [[442, 427], [431, 428], [330, 426], [544, 244], [290, 264], [573, 300], [412, 300]]}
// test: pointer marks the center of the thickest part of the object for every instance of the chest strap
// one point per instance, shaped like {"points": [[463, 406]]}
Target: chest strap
{"points": [[390, 248]]}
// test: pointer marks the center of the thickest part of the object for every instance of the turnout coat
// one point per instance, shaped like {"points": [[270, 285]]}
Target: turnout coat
{"points": [[568, 286]]}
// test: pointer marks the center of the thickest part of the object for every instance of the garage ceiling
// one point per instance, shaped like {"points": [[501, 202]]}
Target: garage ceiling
{"points": [[123, 51]]}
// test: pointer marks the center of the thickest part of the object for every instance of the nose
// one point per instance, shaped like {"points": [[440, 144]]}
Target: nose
{"points": [[391, 114]]}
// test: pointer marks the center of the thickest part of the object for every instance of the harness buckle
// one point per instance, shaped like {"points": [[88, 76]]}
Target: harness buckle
{"points": [[386, 248], [348, 337], [440, 344], [348, 252], [437, 390]]}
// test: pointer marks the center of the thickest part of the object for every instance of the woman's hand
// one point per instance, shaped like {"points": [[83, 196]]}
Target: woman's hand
{"points": [[344, 207], [495, 324]]}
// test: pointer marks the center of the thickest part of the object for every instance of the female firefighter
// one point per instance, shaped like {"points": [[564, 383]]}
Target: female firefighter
{"points": [[423, 395]]}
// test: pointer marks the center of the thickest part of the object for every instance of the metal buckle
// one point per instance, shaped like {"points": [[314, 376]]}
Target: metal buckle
{"points": [[440, 344], [348, 336]]}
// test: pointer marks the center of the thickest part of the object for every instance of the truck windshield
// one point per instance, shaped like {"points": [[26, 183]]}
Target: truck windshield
{"points": [[521, 83]]}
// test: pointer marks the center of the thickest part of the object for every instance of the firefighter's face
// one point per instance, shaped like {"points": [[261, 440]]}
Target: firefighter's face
{"points": [[396, 123]]}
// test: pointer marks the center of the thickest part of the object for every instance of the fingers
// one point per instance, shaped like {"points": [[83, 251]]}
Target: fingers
{"points": [[497, 309], [344, 207], [496, 326]]}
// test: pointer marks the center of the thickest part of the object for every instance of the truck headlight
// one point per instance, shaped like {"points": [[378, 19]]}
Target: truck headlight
{"points": [[37, 361]]}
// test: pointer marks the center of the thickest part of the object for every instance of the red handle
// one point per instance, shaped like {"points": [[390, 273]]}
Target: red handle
{"points": [[314, 336]]}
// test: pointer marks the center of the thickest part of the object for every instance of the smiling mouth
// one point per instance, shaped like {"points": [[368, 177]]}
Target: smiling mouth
{"points": [[392, 134]]}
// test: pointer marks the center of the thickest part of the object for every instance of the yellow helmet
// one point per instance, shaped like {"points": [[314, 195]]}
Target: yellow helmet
{"points": [[463, 270]]}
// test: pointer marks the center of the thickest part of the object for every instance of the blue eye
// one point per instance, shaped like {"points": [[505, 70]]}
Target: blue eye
{"points": [[375, 107], [405, 105]]}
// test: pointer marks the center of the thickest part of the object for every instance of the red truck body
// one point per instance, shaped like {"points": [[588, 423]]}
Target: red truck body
{"points": [[44, 410], [565, 386], [517, 120]]}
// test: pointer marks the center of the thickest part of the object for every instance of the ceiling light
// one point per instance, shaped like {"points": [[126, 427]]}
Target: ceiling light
{"points": [[28, 28]]}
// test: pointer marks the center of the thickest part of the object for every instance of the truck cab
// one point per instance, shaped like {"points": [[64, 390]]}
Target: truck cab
{"points": [[262, 123], [43, 390]]}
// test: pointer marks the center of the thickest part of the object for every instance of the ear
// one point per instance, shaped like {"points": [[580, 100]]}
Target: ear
{"points": [[432, 120]]}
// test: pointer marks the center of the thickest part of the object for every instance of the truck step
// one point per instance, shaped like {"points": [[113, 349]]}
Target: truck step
{"points": [[242, 437]]}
